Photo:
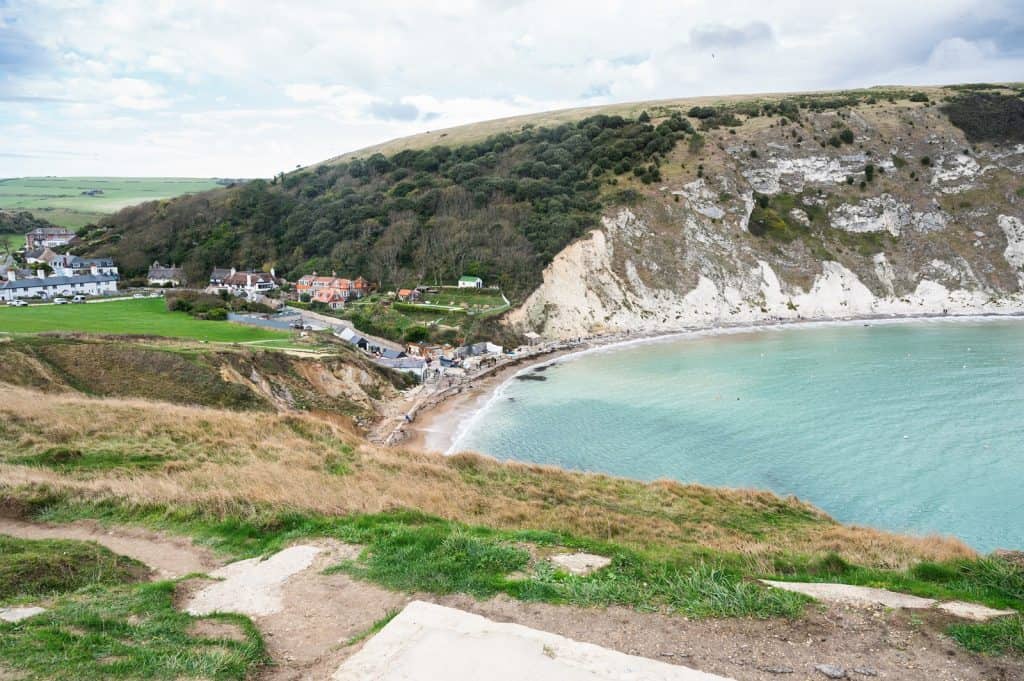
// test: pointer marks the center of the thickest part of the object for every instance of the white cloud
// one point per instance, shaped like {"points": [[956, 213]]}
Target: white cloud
{"points": [[242, 88], [956, 53]]}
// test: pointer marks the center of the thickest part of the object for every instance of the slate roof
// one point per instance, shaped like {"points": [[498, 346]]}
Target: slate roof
{"points": [[36, 282], [220, 273], [402, 363]]}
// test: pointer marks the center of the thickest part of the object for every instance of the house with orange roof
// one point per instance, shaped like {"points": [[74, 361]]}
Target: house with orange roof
{"points": [[408, 295], [348, 288], [331, 297]]}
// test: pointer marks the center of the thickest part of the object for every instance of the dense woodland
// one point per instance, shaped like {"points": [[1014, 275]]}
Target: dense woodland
{"points": [[500, 209]]}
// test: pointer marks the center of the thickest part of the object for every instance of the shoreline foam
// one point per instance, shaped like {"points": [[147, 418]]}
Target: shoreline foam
{"points": [[451, 431]]}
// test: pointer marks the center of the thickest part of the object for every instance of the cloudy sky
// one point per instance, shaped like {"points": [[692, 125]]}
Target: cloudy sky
{"points": [[250, 88]]}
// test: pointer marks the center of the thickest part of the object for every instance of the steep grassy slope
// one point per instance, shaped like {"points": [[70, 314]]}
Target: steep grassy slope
{"points": [[264, 465], [171, 371], [251, 483]]}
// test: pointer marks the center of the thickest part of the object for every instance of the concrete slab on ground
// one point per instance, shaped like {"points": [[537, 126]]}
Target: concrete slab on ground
{"points": [[580, 563], [854, 595], [869, 596], [19, 614], [252, 587], [973, 611], [428, 642]]}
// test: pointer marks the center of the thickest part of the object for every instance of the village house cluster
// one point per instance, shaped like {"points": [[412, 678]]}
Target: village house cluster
{"points": [[332, 291], [428, 362], [48, 274]]}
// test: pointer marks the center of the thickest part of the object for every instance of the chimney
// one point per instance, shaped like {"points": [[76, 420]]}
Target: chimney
{"points": [[12, 275], [232, 271], [273, 275], [41, 274], [94, 270]]}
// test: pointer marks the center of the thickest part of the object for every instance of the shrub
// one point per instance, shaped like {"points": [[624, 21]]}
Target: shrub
{"points": [[417, 334], [702, 112], [987, 116], [919, 97], [846, 136], [926, 160], [869, 172]]}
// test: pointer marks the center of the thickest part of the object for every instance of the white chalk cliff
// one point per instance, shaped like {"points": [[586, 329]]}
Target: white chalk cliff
{"points": [[942, 234]]}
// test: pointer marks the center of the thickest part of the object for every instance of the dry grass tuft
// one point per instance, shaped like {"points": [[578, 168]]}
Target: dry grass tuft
{"points": [[229, 461]]}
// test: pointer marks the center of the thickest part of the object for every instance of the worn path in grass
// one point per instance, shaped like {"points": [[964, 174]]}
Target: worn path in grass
{"points": [[324, 619]]}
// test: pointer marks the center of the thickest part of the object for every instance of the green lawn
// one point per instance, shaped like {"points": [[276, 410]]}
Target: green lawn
{"points": [[60, 199], [474, 297], [11, 242], [143, 317]]}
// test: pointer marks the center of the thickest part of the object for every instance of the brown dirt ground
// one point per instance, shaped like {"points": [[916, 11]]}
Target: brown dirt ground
{"points": [[308, 639], [216, 629], [170, 556]]}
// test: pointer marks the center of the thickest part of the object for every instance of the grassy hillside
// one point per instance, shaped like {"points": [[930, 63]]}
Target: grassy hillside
{"points": [[500, 199], [61, 200], [250, 483], [242, 378], [241, 462]]}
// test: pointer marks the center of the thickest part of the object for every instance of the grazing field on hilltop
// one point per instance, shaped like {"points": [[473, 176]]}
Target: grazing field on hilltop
{"points": [[61, 199], [130, 317]]}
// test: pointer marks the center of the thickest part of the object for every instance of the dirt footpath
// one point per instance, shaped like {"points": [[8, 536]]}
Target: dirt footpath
{"points": [[169, 556], [893, 644], [308, 637]]}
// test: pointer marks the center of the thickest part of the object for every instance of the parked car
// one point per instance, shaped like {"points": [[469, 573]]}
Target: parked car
{"points": [[17, 303], [139, 295], [155, 294], [60, 301], [78, 299]]}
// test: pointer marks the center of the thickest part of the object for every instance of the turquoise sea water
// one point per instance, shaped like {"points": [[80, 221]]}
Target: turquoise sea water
{"points": [[914, 426]]}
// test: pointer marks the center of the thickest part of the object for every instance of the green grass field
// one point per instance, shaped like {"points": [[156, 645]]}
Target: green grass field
{"points": [[60, 199], [473, 297], [11, 242], [129, 317]]}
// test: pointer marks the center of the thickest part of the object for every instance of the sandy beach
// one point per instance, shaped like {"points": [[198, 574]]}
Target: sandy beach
{"points": [[436, 425]]}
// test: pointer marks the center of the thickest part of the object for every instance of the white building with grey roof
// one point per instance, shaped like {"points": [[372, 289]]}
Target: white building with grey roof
{"points": [[15, 287]]}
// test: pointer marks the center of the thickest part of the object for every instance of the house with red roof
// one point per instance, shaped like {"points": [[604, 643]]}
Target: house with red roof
{"points": [[334, 291]]}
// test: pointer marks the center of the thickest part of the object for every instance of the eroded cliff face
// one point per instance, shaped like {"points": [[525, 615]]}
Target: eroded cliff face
{"points": [[770, 223]]}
